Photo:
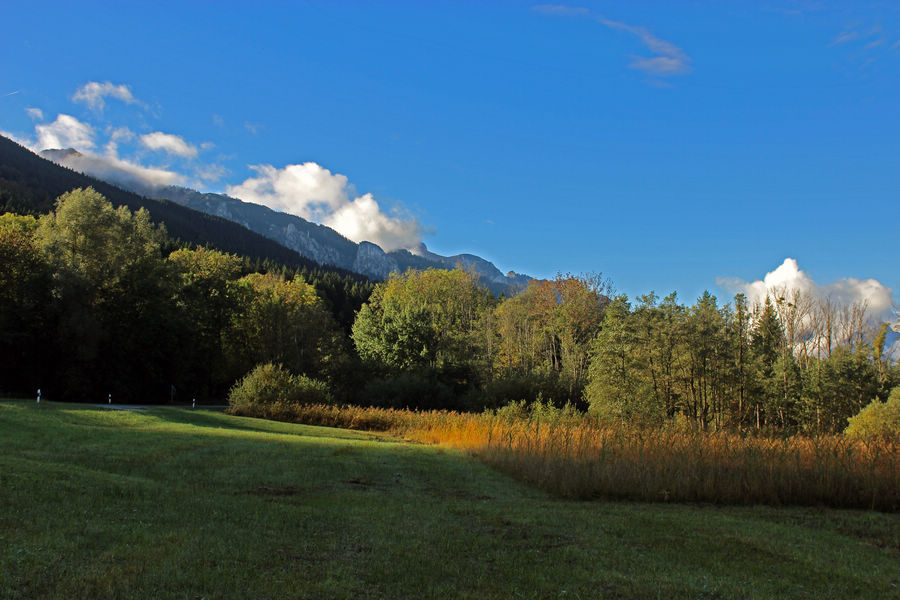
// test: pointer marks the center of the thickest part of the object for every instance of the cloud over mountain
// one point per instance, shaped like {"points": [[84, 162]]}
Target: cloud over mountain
{"points": [[116, 170], [123, 151], [65, 132], [312, 192]]}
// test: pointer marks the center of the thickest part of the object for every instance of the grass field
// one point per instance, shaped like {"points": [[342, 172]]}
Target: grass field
{"points": [[175, 503]]}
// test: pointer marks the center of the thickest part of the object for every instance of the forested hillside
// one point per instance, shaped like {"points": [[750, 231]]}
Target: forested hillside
{"points": [[30, 185]]}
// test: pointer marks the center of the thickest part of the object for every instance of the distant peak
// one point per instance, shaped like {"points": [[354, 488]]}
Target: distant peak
{"points": [[58, 154], [419, 249]]}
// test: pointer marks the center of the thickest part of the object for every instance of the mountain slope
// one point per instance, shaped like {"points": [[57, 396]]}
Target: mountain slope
{"points": [[29, 184]]}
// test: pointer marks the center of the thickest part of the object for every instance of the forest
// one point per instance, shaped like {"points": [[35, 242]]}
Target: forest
{"points": [[98, 301]]}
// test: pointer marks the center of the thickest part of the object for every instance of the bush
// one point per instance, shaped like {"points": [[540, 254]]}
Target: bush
{"points": [[271, 384], [539, 411], [878, 420]]}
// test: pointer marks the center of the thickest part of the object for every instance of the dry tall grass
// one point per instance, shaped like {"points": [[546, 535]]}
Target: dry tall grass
{"points": [[579, 458]]}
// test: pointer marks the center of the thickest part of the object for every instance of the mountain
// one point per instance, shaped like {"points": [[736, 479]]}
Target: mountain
{"points": [[29, 184], [316, 242]]}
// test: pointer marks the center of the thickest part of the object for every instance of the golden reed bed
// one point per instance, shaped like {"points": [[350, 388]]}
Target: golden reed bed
{"points": [[580, 458]]}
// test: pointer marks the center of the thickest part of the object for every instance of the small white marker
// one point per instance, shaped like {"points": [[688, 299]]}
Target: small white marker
{"points": [[194, 403], [39, 396], [109, 400]]}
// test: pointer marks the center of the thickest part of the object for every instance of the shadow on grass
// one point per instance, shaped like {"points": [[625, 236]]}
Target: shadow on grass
{"points": [[214, 418], [218, 451], [221, 420]]}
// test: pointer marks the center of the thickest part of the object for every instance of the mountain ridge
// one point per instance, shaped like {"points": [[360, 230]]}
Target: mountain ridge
{"points": [[311, 240]]}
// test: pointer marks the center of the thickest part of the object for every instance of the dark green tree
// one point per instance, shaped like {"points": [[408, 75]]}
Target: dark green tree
{"points": [[114, 296], [26, 312]]}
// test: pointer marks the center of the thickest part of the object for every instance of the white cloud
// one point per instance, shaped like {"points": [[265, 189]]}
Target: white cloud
{"points": [[65, 132], [93, 94], [168, 143], [846, 295], [120, 134], [306, 190], [314, 193], [847, 290], [35, 114], [110, 168], [668, 59], [362, 220]]}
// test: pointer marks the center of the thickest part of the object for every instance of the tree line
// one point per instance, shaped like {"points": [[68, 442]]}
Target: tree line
{"points": [[96, 300]]}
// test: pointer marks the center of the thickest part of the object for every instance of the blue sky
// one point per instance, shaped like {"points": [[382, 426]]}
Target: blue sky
{"points": [[668, 145]]}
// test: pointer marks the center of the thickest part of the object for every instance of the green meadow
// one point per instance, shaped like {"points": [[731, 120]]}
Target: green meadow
{"points": [[173, 503]]}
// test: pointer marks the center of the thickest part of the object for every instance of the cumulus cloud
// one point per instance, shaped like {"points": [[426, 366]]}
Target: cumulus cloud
{"points": [[65, 132], [363, 220], [168, 143], [848, 290], [314, 193], [667, 60], [93, 93], [856, 300], [35, 114]]}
